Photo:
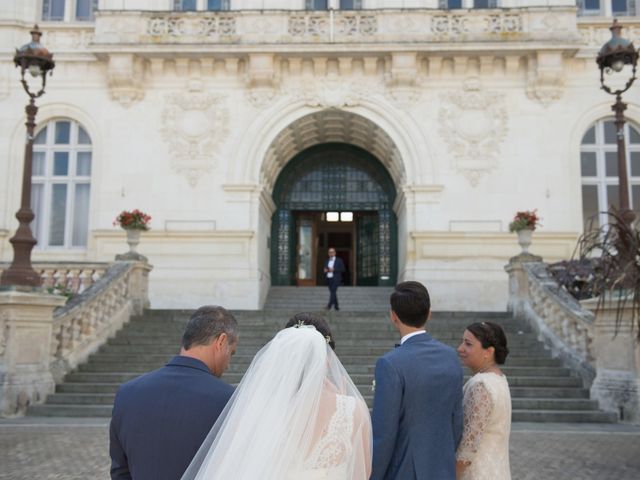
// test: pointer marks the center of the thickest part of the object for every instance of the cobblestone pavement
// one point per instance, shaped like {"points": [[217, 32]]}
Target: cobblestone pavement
{"points": [[78, 449]]}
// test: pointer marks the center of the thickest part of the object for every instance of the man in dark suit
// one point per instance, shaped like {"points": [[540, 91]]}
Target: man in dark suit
{"points": [[161, 418], [417, 409], [333, 269]]}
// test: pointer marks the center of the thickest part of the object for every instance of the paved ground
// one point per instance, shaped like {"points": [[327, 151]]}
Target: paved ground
{"points": [[45, 449]]}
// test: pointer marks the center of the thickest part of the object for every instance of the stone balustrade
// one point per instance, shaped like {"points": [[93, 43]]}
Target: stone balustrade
{"points": [[69, 278], [43, 336], [591, 340], [88, 319], [558, 318]]}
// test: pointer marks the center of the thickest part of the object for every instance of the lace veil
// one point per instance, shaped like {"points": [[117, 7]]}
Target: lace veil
{"points": [[296, 413]]}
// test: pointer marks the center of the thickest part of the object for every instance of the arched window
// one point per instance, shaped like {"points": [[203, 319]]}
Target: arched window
{"points": [[599, 168], [61, 182]]}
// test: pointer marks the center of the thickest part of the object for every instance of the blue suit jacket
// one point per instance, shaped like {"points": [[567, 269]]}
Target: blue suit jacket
{"points": [[161, 418], [338, 270], [417, 411]]}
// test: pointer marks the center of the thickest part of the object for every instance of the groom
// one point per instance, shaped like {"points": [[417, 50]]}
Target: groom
{"points": [[417, 410], [160, 419]]}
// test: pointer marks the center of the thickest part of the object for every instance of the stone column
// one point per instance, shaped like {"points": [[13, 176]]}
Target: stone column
{"points": [[26, 321], [617, 382]]}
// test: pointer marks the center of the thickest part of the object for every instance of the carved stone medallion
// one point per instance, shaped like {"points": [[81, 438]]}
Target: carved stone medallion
{"points": [[193, 126], [473, 123]]}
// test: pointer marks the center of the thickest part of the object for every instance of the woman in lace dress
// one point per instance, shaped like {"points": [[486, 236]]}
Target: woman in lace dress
{"points": [[295, 415], [484, 449]]}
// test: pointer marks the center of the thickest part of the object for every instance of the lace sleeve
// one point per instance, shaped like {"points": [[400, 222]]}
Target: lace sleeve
{"points": [[478, 406]]}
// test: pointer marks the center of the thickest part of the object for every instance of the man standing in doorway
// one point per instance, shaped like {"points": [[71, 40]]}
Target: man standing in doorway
{"points": [[333, 268]]}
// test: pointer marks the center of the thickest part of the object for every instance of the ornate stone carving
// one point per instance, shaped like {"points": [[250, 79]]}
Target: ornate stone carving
{"points": [[179, 26], [349, 25], [308, 25], [545, 82], [194, 125], [333, 93], [357, 25], [456, 24], [261, 97], [125, 78], [473, 123]]}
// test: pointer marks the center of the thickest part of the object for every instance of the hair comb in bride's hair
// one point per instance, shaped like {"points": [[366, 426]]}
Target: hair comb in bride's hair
{"points": [[301, 324], [328, 339]]}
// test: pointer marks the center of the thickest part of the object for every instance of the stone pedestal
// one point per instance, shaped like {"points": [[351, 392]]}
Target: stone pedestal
{"points": [[139, 287], [617, 382], [25, 349], [519, 282]]}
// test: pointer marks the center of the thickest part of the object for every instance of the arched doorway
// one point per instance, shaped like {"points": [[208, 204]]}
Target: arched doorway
{"points": [[334, 195]]}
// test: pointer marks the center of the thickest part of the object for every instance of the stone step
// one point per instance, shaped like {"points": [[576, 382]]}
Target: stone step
{"points": [[162, 359], [341, 351], [518, 415], [563, 404], [96, 388], [515, 343], [541, 388], [239, 367], [49, 410], [564, 416], [358, 379], [81, 399]]}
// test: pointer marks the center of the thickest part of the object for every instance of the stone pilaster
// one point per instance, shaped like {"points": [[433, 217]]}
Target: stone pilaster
{"points": [[26, 321]]}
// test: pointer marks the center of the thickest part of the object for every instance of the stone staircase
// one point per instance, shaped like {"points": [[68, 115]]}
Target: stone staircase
{"points": [[542, 389]]}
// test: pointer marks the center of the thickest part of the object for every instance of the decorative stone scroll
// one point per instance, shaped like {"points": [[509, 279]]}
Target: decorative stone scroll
{"points": [[194, 125], [456, 24], [473, 123], [333, 94], [349, 25], [124, 75], [179, 26]]}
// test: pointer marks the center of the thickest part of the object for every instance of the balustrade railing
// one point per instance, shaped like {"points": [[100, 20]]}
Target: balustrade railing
{"points": [[558, 318], [101, 299]]}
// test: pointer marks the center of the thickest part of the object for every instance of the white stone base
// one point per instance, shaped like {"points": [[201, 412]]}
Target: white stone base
{"points": [[618, 391], [26, 321]]}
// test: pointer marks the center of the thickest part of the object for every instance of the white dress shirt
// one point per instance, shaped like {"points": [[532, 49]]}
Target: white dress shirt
{"points": [[412, 334], [332, 261]]}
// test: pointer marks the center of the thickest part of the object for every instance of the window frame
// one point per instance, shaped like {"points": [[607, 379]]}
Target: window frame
{"points": [[42, 223], [601, 180]]}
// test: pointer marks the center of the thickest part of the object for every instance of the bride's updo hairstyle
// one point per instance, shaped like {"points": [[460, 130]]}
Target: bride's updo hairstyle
{"points": [[490, 334], [317, 321]]}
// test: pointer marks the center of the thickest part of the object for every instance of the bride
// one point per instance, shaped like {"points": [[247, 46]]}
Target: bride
{"points": [[295, 415]]}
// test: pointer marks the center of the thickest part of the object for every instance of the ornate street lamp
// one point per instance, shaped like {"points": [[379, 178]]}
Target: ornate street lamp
{"points": [[612, 58], [37, 61]]}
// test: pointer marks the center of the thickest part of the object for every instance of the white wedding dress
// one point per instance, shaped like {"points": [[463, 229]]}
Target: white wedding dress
{"points": [[296, 415], [487, 425]]}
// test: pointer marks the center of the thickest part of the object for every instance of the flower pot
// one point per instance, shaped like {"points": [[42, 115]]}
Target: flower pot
{"points": [[524, 239], [133, 239]]}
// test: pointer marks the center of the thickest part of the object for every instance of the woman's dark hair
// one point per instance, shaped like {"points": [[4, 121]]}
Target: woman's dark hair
{"points": [[317, 321], [490, 334]]}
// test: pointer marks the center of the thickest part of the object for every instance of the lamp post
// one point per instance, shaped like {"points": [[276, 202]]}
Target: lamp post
{"points": [[612, 58], [37, 61]]}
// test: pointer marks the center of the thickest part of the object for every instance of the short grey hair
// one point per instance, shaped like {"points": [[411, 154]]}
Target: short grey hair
{"points": [[208, 323]]}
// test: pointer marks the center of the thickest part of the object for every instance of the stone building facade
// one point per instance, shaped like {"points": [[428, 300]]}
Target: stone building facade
{"points": [[246, 127]]}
